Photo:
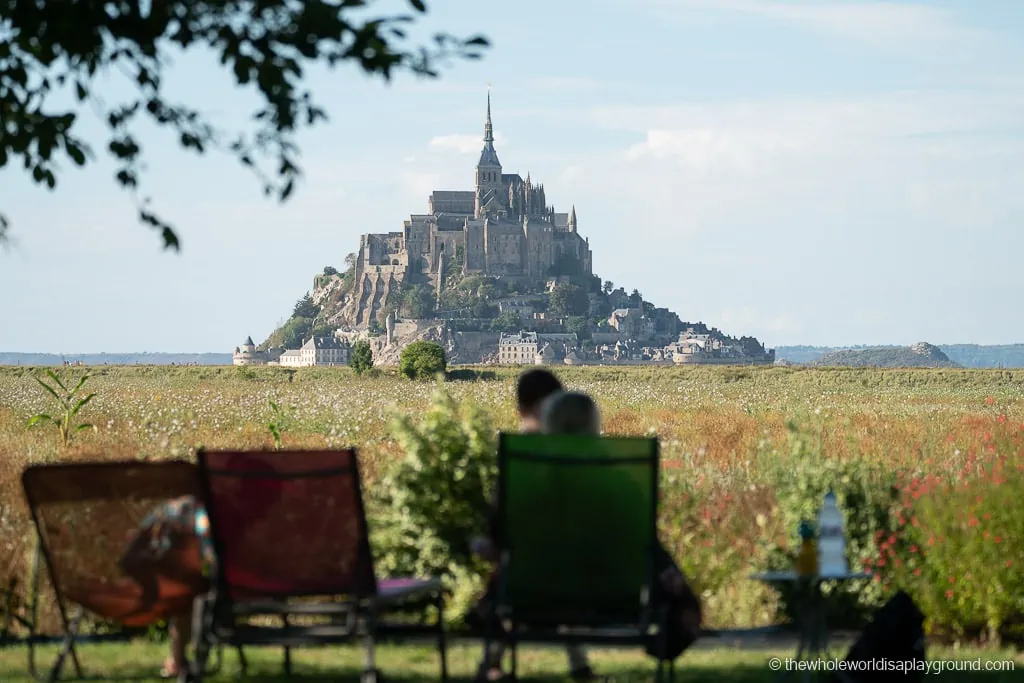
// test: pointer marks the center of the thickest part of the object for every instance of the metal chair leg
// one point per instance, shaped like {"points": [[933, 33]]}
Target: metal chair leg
{"points": [[442, 645]]}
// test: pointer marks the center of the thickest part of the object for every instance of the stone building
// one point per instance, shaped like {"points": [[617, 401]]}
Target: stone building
{"points": [[246, 354], [318, 351], [503, 227], [531, 348]]}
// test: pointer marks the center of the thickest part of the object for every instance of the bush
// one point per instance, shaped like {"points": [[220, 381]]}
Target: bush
{"points": [[865, 492], [422, 359], [435, 499], [956, 547], [362, 357]]}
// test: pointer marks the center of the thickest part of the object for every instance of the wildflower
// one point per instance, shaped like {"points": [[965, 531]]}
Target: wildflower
{"points": [[913, 548], [1009, 563], [949, 595], [1001, 419], [917, 572], [998, 539], [990, 400], [952, 579]]}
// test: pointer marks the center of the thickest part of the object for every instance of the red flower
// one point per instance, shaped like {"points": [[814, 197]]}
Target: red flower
{"points": [[1009, 563], [917, 572], [949, 595], [952, 579], [913, 548], [973, 521], [990, 400], [998, 539], [987, 515], [1001, 419]]}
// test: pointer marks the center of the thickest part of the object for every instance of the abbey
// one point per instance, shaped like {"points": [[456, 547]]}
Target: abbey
{"points": [[503, 227]]}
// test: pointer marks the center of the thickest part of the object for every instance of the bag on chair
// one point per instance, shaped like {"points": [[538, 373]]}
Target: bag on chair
{"points": [[891, 647]]}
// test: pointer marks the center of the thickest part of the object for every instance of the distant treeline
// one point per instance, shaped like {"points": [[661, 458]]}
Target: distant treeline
{"points": [[965, 355], [116, 358]]}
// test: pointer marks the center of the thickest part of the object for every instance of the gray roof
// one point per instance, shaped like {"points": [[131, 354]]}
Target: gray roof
{"points": [[518, 338], [248, 341], [454, 195], [488, 157], [322, 343]]}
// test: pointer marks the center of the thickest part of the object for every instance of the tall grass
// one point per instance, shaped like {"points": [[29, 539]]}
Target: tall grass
{"points": [[726, 435]]}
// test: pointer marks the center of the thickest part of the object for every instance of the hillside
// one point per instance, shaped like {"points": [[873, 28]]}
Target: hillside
{"points": [[920, 355]]}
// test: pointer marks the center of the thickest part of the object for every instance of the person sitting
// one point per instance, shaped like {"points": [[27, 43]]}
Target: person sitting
{"points": [[564, 412], [180, 527], [576, 413], [532, 389]]}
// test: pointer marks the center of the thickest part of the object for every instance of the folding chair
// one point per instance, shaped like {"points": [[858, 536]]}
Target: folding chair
{"points": [[577, 535], [85, 515], [290, 533]]}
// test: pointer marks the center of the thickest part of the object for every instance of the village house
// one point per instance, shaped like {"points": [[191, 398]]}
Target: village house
{"points": [[318, 351], [632, 323]]}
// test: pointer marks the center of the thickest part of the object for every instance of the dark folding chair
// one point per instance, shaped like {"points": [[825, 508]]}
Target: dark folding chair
{"points": [[85, 515], [292, 544], [577, 533]]}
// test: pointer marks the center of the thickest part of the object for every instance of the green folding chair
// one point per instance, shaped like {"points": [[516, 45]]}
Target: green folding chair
{"points": [[578, 535]]}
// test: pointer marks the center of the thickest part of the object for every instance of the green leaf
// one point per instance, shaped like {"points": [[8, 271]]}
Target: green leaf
{"points": [[53, 392], [84, 425], [39, 419], [80, 405]]}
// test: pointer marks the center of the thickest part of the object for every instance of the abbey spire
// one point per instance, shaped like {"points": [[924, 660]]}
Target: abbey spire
{"points": [[489, 157], [489, 182]]}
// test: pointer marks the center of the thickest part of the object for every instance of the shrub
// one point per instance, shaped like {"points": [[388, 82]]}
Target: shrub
{"points": [[434, 500], [422, 359], [865, 492], [362, 357], [957, 549]]}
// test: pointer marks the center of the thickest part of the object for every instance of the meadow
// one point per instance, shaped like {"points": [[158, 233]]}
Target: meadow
{"points": [[746, 453]]}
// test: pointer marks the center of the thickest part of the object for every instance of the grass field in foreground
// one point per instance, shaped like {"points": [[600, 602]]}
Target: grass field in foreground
{"points": [[141, 661], [732, 442]]}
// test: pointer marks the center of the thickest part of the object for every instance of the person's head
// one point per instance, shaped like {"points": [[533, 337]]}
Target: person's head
{"points": [[533, 387], [570, 412]]}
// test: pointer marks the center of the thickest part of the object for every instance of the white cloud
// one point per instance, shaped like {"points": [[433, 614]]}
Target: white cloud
{"points": [[464, 143], [890, 25]]}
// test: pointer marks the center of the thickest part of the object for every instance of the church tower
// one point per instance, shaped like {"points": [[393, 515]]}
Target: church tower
{"points": [[488, 169]]}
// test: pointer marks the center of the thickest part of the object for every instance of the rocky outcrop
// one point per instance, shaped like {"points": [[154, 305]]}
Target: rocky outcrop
{"points": [[920, 355]]}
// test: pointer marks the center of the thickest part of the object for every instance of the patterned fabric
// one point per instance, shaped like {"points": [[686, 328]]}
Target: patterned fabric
{"points": [[181, 515]]}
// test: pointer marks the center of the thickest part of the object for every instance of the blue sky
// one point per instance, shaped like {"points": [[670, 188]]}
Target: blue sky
{"points": [[806, 171]]}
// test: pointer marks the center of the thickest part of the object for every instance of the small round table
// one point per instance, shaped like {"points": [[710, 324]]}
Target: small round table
{"points": [[811, 609]]}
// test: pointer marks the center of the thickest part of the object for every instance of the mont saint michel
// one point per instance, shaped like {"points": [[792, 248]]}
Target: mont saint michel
{"points": [[497, 274]]}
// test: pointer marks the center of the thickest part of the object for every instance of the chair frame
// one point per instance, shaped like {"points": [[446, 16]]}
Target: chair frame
{"points": [[358, 616], [598, 632], [70, 623]]}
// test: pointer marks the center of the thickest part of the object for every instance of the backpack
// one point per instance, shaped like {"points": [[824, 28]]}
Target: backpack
{"points": [[895, 635]]}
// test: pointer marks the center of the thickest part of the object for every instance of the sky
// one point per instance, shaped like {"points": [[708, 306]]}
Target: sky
{"points": [[809, 172]]}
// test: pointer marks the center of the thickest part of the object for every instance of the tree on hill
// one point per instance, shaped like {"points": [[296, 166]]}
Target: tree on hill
{"points": [[569, 300], [305, 308], [579, 326], [362, 357], [417, 302], [54, 51], [422, 359], [507, 322]]}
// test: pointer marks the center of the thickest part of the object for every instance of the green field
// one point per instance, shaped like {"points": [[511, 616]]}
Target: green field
{"points": [[743, 451]]}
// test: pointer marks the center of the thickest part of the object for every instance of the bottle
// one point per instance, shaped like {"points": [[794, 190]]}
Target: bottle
{"points": [[831, 539], [807, 559]]}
